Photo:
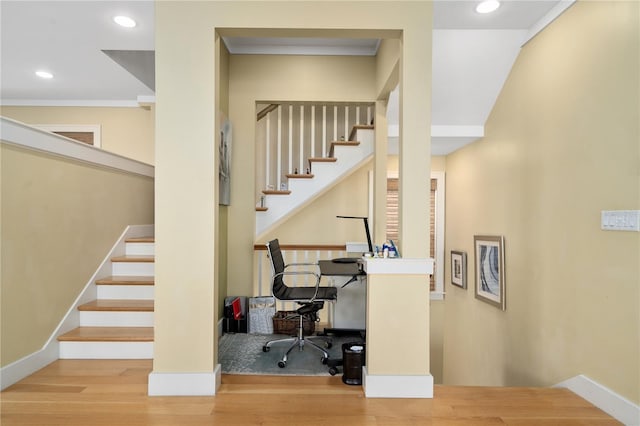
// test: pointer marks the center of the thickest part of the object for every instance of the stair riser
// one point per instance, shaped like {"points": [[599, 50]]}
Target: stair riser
{"points": [[145, 292], [140, 249], [116, 319], [146, 269], [106, 350]]}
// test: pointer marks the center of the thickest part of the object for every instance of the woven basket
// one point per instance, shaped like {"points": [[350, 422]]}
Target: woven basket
{"points": [[289, 326]]}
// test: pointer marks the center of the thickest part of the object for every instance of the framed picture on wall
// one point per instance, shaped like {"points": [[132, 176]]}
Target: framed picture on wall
{"points": [[459, 269], [489, 270]]}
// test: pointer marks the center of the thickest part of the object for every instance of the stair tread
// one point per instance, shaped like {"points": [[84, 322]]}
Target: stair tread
{"points": [[134, 258], [118, 305], [276, 192], [140, 240], [299, 176], [126, 280], [108, 334], [323, 159]]}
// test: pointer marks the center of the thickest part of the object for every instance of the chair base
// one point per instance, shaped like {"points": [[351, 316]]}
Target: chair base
{"points": [[300, 341]]}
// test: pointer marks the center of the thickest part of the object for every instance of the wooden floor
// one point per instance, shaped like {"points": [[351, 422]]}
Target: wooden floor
{"points": [[80, 392]]}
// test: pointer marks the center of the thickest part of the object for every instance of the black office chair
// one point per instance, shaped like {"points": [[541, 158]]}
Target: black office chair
{"points": [[311, 298]]}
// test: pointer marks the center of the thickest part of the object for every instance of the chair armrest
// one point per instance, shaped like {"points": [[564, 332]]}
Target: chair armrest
{"points": [[317, 276], [301, 264]]}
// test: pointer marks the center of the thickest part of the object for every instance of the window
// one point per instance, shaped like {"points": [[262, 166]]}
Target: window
{"points": [[436, 226], [85, 133]]}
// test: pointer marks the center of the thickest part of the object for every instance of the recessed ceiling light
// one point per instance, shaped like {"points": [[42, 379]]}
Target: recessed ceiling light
{"points": [[44, 74], [124, 21], [487, 6]]}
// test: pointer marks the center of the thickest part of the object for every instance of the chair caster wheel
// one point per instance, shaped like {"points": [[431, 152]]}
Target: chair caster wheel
{"points": [[282, 364], [265, 348], [325, 361], [333, 371], [329, 345]]}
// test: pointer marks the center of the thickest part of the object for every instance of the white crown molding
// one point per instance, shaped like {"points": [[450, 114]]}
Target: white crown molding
{"points": [[547, 19]]}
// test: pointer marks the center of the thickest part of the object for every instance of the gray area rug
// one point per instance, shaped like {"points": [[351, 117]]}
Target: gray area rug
{"points": [[241, 353]]}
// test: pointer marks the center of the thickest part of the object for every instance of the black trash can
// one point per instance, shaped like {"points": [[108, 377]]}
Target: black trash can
{"points": [[353, 358]]}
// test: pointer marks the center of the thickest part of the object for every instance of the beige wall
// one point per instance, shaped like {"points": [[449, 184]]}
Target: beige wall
{"points": [[186, 99], [60, 218], [125, 131], [561, 145]]}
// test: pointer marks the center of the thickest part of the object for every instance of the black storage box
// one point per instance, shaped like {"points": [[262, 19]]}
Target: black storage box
{"points": [[229, 323]]}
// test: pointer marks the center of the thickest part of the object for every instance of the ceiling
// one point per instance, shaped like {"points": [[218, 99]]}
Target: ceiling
{"points": [[93, 63]]}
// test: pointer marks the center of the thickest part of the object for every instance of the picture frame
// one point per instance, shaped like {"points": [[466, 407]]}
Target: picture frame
{"points": [[490, 270], [459, 269]]}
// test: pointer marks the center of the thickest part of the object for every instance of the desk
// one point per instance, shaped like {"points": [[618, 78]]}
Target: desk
{"points": [[349, 311]]}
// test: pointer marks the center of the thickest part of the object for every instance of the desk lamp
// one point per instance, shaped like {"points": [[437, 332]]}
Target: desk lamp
{"points": [[366, 228]]}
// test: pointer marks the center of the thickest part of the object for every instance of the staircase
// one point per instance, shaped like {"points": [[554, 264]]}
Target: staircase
{"points": [[119, 323], [344, 157]]}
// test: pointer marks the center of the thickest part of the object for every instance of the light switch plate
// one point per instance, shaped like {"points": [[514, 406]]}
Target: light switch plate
{"points": [[620, 220]]}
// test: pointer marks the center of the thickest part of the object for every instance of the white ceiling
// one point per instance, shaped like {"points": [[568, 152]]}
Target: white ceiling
{"points": [[472, 56]]}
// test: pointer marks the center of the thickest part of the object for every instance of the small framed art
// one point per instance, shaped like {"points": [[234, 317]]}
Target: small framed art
{"points": [[489, 270], [459, 269]]}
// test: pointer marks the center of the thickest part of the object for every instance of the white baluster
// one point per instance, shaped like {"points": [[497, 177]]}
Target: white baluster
{"points": [[259, 268], [357, 115], [335, 122], [368, 115], [279, 149], [290, 139], [301, 142], [324, 130], [267, 150], [346, 122], [313, 131]]}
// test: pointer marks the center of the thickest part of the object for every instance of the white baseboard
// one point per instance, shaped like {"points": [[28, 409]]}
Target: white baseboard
{"points": [[605, 399], [185, 384], [385, 386], [18, 370]]}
